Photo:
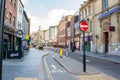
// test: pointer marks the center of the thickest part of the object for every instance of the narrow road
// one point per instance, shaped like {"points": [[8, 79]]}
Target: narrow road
{"points": [[53, 71]]}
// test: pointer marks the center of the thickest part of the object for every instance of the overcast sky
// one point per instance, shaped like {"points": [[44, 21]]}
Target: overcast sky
{"points": [[49, 12]]}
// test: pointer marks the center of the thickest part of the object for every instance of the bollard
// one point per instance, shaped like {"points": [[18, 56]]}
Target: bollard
{"points": [[61, 53]]}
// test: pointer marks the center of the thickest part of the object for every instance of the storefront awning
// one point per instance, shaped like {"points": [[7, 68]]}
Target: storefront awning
{"points": [[9, 27], [116, 9], [5, 36]]}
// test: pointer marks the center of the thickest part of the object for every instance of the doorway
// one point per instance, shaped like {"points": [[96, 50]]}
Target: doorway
{"points": [[106, 40]]}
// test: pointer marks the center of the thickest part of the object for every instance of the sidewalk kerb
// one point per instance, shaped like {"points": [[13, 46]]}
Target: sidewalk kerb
{"points": [[102, 59], [43, 62], [65, 67]]}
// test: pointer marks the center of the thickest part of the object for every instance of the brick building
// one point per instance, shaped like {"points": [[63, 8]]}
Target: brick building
{"points": [[10, 26], [62, 31]]}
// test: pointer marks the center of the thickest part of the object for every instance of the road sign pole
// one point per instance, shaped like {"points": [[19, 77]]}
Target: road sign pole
{"points": [[84, 27], [84, 55], [2, 13]]}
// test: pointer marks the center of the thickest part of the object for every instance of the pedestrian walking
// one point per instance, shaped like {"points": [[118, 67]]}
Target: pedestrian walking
{"points": [[67, 51]]}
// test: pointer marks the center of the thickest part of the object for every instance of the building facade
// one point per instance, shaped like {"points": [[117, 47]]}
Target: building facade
{"points": [[47, 37], [110, 25], [19, 16], [76, 32], [103, 17], [10, 27], [25, 30], [52, 35], [63, 31], [87, 14]]}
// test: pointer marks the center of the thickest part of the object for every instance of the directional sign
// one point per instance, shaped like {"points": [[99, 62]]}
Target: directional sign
{"points": [[84, 26]]}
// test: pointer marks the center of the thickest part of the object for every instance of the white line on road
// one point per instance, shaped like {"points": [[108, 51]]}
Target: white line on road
{"points": [[82, 59], [53, 66]]}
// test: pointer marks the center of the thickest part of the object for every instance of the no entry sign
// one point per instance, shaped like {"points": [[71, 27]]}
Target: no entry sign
{"points": [[84, 26]]}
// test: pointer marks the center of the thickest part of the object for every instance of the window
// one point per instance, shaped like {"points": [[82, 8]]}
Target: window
{"points": [[85, 12], [14, 21], [105, 4], [15, 4], [90, 26], [89, 10], [82, 14], [10, 17]]}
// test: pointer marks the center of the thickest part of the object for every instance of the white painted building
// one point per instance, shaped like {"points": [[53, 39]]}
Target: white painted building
{"points": [[19, 15], [47, 36]]}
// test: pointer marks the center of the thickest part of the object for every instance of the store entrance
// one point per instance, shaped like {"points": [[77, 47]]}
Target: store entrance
{"points": [[106, 40]]}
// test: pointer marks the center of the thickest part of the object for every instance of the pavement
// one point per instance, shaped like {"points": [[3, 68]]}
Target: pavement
{"points": [[76, 68], [28, 68], [107, 57]]}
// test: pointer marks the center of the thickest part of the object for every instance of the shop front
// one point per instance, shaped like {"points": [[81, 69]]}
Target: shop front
{"points": [[77, 43], [88, 43], [9, 43]]}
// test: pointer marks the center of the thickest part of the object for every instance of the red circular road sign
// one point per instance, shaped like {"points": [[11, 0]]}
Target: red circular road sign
{"points": [[84, 26]]}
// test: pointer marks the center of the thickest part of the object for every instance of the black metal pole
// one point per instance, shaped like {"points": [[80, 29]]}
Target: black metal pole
{"points": [[84, 55], [2, 13]]}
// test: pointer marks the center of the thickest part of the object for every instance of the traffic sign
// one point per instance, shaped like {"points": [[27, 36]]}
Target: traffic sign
{"points": [[84, 26]]}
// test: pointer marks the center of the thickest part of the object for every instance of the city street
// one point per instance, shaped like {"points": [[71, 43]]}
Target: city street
{"points": [[35, 65], [106, 67], [110, 68], [29, 67]]}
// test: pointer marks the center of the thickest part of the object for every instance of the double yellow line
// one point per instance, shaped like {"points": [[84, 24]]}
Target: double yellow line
{"points": [[50, 77]]}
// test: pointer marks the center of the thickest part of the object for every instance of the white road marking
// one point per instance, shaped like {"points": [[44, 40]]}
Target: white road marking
{"points": [[82, 59], [87, 60], [53, 66], [58, 71]]}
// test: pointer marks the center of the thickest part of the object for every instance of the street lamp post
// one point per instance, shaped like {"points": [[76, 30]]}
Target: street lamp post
{"points": [[2, 14]]}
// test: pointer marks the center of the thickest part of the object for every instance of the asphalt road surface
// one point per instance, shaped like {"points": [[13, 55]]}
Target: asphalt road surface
{"points": [[109, 68], [106, 67], [53, 71]]}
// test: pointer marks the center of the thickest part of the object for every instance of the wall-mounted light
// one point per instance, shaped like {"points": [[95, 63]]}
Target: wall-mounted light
{"points": [[96, 36], [7, 16]]}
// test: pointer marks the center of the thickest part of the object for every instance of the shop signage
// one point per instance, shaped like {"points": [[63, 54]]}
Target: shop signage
{"points": [[19, 32], [111, 28], [27, 37]]}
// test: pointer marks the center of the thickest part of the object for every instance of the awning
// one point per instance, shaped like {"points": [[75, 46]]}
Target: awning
{"points": [[116, 9], [5, 36], [9, 27]]}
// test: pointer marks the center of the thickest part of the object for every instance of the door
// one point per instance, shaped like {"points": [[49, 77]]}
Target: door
{"points": [[106, 37]]}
